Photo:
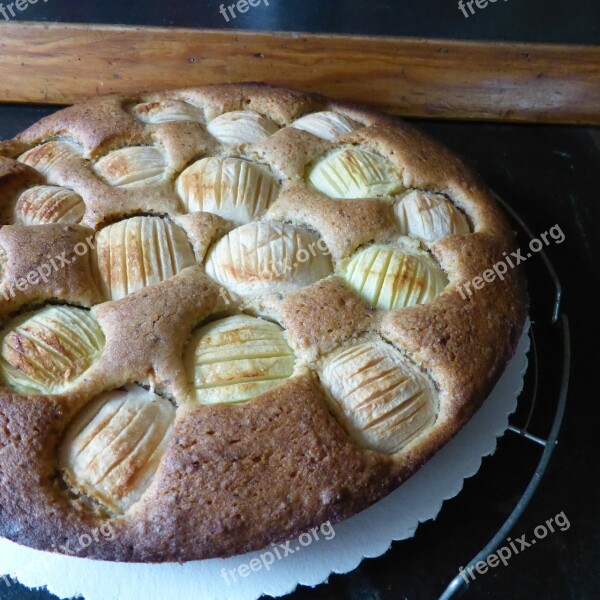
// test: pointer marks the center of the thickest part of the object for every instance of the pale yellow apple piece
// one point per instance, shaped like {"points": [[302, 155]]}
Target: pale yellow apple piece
{"points": [[390, 277], [45, 204], [429, 216], [242, 127], [236, 359], [47, 350], [46, 156], [114, 446], [132, 167], [380, 397], [166, 111], [267, 257], [354, 172], [139, 252], [326, 125], [232, 188]]}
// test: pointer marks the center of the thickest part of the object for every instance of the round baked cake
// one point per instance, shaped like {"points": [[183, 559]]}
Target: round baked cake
{"points": [[233, 313]]}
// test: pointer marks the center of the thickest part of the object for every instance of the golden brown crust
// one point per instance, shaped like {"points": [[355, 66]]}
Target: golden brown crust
{"points": [[236, 477], [323, 316], [28, 249]]}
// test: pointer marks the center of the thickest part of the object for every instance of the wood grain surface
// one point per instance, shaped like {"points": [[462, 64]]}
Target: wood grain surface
{"points": [[66, 63]]}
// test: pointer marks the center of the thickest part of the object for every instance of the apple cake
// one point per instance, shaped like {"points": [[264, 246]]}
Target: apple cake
{"points": [[232, 313]]}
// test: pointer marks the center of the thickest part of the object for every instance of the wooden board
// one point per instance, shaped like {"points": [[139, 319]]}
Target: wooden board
{"points": [[66, 63]]}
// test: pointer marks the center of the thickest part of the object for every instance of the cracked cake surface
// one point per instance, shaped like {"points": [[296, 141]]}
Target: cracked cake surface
{"points": [[230, 314]]}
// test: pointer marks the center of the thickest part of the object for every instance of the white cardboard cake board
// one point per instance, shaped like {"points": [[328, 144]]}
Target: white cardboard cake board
{"points": [[368, 534]]}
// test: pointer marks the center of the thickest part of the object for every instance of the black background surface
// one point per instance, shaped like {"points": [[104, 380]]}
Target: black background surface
{"points": [[550, 175]]}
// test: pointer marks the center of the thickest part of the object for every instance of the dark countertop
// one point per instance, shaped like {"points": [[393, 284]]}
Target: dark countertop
{"points": [[541, 21], [549, 174]]}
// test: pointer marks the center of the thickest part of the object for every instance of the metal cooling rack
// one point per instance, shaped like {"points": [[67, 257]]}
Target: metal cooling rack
{"points": [[557, 325]]}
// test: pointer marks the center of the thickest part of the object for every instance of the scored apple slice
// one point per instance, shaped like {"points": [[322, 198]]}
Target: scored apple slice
{"points": [[236, 359], [242, 127], [326, 125], [132, 167], [45, 157], [167, 111], [268, 257], [429, 216], [380, 397], [47, 350], [139, 252], [43, 204], [112, 449], [354, 172], [394, 276], [232, 188]]}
